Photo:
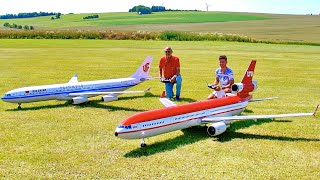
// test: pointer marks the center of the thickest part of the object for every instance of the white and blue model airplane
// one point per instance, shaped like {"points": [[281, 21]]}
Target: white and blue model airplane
{"points": [[79, 92]]}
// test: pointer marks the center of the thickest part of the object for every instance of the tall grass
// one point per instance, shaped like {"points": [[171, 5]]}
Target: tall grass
{"points": [[138, 35], [74, 34]]}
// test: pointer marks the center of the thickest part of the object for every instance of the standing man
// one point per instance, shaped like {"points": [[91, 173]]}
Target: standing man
{"points": [[169, 70], [224, 76]]}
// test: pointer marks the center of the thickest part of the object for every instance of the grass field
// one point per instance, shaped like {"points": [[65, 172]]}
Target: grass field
{"points": [[57, 140]]}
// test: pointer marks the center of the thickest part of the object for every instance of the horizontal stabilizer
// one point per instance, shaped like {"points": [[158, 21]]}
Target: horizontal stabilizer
{"points": [[166, 102], [263, 99], [106, 93]]}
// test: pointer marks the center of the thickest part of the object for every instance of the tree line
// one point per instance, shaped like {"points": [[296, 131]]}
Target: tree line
{"points": [[27, 15], [147, 10], [91, 17], [17, 26]]}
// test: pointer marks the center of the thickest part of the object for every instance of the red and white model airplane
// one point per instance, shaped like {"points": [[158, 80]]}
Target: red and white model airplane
{"points": [[220, 112]]}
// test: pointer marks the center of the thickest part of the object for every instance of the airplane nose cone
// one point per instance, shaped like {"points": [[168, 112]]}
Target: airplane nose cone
{"points": [[116, 133]]}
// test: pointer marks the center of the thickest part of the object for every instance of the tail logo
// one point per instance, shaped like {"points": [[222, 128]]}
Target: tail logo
{"points": [[146, 67], [249, 73]]}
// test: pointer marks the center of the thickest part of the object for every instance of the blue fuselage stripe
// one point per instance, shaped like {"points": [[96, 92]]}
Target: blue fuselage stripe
{"points": [[66, 92]]}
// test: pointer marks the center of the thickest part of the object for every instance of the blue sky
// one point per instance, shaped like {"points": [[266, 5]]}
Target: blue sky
{"points": [[90, 6]]}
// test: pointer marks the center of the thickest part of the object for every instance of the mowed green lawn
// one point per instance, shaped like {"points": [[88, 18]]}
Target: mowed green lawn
{"points": [[57, 140]]}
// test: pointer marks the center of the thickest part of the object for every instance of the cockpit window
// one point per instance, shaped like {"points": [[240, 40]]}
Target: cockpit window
{"points": [[8, 95]]}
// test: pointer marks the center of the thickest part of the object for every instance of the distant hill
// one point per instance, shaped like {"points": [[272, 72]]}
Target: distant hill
{"points": [[255, 25], [115, 19]]}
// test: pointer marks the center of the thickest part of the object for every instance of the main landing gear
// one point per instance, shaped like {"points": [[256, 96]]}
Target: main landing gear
{"points": [[19, 105], [143, 144]]}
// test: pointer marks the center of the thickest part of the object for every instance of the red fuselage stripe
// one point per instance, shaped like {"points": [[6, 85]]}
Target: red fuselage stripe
{"points": [[182, 109]]}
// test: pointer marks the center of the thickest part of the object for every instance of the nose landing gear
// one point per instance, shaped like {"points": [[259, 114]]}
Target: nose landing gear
{"points": [[143, 144]]}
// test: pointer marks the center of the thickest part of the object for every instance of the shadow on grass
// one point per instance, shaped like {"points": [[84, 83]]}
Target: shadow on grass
{"points": [[188, 100], [232, 134], [248, 111], [90, 104], [66, 104], [190, 136], [146, 95], [198, 133]]}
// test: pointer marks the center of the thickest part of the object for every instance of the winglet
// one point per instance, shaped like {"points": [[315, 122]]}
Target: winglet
{"points": [[315, 111], [74, 79], [147, 90], [262, 99], [166, 102]]}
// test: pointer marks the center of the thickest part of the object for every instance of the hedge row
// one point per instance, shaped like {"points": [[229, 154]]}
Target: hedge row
{"points": [[138, 35]]}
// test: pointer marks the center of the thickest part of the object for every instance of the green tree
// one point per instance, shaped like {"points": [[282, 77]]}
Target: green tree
{"points": [[31, 28], [58, 15], [19, 27], [6, 24], [26, 27], [141, 9], [14, 25]]}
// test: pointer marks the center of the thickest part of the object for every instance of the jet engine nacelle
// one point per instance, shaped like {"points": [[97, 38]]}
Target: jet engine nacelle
{"points": [[244, 88], [108, 98], [79, 100], [217, 129]]}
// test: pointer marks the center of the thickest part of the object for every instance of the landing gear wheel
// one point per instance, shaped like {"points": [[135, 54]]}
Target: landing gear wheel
{"points": [[143, 145], [19, 106]]}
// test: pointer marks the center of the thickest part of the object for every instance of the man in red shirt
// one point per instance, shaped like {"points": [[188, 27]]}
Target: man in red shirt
{"points": [[169, 69]]}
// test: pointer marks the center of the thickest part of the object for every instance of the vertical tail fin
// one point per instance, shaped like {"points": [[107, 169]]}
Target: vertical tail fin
{"points": [[247, 78], [144, 69], [247, 85]]}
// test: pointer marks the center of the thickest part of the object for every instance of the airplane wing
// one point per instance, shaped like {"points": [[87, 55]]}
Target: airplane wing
{"points": [[166, 102], [263, 99], [256, 117], [106, 93]]}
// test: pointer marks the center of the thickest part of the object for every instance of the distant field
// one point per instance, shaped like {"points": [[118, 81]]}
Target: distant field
{"points": [[56, 140], [111, 19], [259, 26], [277, 27]]}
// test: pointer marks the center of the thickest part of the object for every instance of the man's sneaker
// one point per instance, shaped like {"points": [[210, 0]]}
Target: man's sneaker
{"points": [[177, 98], [163, 94]]}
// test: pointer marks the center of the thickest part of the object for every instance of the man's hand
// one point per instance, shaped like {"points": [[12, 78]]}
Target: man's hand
{"points": [[173, 79], [217, 88], [214, 87]]}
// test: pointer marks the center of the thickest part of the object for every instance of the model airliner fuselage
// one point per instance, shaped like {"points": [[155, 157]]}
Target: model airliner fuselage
{"points": [[67, 91], [173, 118], [79, 92]]}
